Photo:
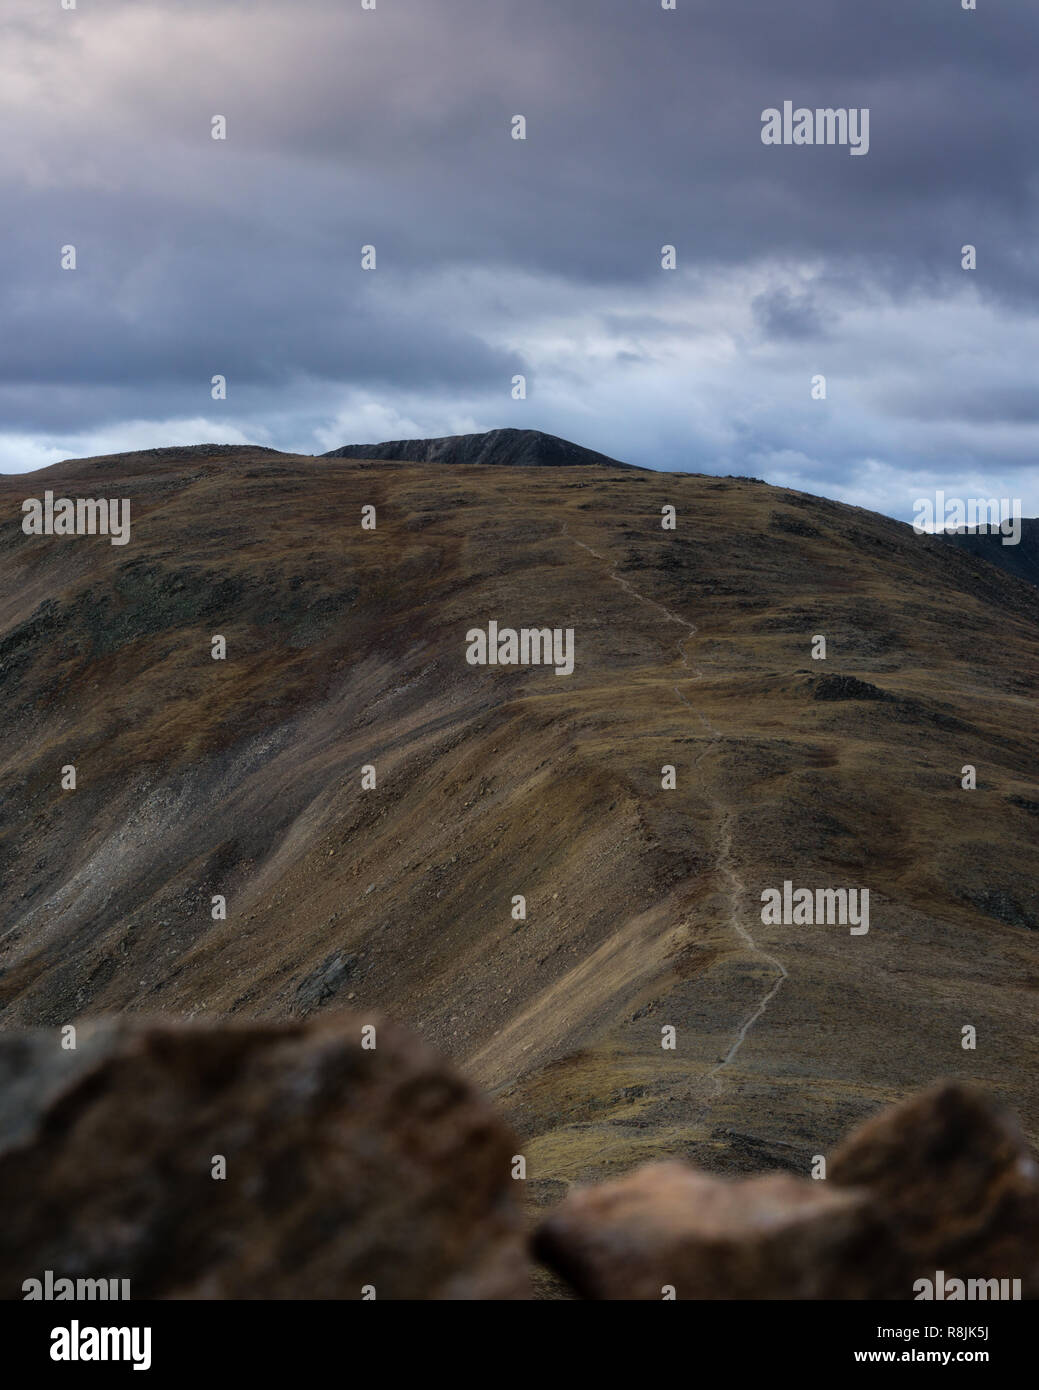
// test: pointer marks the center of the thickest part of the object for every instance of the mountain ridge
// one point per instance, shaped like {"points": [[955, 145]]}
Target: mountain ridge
{"points": [[242, 778]]}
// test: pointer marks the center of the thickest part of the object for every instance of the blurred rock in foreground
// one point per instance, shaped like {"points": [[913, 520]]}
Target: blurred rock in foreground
{"points": [[944, 1182], [350, 1170], [345, 1167]]}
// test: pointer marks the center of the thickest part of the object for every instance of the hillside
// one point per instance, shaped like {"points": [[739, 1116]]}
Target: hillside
{"points": [[346, 648]]}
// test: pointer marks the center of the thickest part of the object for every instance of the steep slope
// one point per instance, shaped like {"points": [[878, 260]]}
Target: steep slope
{"points": [[346, 649], [502, 448]]}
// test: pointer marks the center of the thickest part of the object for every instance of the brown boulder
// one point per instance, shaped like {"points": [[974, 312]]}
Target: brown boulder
{"points": [[345, 1167], [943, 1182], [669, 1226], [952, 1174]]}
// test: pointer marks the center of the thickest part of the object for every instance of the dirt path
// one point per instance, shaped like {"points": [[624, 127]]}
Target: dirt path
{"points": [[737, 887], [737, 890]]}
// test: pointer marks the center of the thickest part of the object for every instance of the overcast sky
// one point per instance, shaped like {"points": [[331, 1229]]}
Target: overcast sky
{"points": [[497, 256]]}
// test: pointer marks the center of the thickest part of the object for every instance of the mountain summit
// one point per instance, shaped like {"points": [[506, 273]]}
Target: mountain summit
{"points": [[503, 448]]}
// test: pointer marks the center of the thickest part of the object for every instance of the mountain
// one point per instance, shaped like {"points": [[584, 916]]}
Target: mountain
{"points": [[1021, 560], [243, 779], [501, 448]]}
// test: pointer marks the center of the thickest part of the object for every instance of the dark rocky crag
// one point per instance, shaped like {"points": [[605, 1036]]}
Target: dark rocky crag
{"points": [[502, 448]]}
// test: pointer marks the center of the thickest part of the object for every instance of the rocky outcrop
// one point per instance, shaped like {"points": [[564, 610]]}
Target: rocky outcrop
{"points": [[944, 1183], [254, 1161], [846, 688]]}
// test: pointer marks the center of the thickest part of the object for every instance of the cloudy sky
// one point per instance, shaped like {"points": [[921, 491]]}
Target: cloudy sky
{"points": [[541, 257]]}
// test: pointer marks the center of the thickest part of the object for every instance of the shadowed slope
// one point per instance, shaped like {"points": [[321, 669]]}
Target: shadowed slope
{"points": [[1020, 560]]}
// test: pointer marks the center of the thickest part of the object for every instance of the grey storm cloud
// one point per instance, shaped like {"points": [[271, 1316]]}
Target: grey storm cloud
{"points": [[783, 314], [541, 257]]}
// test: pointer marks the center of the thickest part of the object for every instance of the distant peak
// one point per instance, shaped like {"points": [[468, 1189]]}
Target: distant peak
{"points": [[505, 448]]}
